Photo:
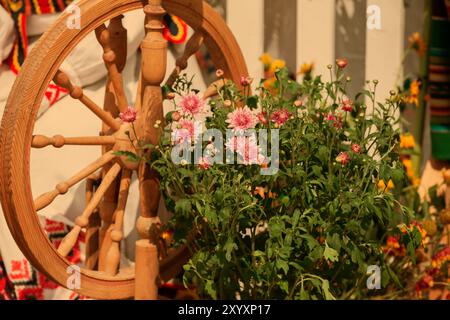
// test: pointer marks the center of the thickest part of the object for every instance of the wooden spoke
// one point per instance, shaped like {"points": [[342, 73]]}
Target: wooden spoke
{"points": [[82, 221], [192, 46], [62, 80], [62, 188], [92, 230], [58, 141], [214, 88], [113, 253], [109, 57]]}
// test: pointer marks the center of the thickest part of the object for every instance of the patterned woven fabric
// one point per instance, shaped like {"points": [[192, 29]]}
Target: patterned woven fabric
{"points": [[19, 11], [175, 29], [19, 280], [439, 81]]}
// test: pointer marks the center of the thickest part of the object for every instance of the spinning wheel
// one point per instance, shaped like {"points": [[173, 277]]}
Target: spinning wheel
{"points": [[102, 276]]}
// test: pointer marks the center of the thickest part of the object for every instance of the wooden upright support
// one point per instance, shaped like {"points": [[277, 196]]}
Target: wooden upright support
{"points": [[150, 109], [114, 42]]}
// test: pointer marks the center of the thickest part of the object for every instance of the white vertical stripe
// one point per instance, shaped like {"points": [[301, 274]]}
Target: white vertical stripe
{"points": [[315, 33], [246, 21], [385, 47]]}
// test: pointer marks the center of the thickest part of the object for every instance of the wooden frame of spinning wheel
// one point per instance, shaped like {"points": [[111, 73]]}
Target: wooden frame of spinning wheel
{"points": [[16, 138]]}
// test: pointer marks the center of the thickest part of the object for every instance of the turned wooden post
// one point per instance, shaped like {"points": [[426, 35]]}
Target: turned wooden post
{"points": [[192, 46], [92, 230], [150, 110], [114, 42]]}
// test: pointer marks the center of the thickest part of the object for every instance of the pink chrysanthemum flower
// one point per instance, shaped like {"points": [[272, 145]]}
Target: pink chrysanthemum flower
{"points": [[191, 104], [234, 142], [128, 116], [280, 116], [246, 148], [241, 119], [184, 132]]}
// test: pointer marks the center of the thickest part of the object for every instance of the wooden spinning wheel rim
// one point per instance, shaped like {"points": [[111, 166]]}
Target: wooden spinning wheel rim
{"points": [[20, 116]]}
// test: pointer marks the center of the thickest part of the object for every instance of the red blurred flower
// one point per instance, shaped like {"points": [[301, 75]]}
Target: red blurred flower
{"points": [[441, 257], [262, 117], [129, 115], [356, 148], [341, 63], [343, 158], [176, 116], [280, 116], [393, 247], [347, 104], [246, 81]]}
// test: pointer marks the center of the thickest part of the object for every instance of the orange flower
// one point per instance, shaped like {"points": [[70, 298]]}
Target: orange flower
{"points": [[277, 64], [414, 224], [414, 92], [446, 176], [272, 195], [416, 42], [393, 247], [260, 191], [306, 68], [407, 141], [415, 181], [441, 257], [266, 59], [383, 187], [407, 163]]}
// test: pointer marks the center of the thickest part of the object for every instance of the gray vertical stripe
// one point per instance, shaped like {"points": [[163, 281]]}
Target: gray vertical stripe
{"points": [[280, 30], [350, 40]]}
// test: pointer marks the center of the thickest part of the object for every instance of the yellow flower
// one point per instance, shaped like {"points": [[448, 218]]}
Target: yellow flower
{"points": [[277, 64], [306, 68], [266, 59], [446, 176], [382, 185], [410, 172], [407, 141], [407, 163], [260, 191], [414, 92], [415, 181], [416, 42]]}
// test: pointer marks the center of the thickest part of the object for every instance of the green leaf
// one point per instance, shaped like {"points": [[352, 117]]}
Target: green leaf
{"points": [[210, 289], [183, 206], [334, 241], [322, 154], [303, 294], [252, 102], [284, 286], [330, 254], [312, 243], [283, 265], [132, 157], [393, 276], [295, 218], [229, 247], [326, 290]]}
